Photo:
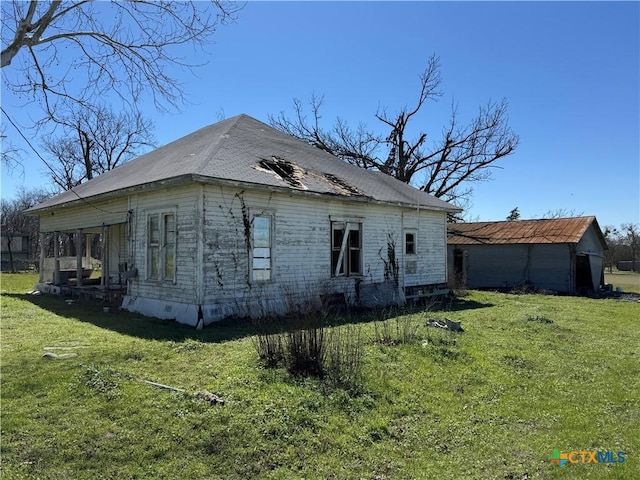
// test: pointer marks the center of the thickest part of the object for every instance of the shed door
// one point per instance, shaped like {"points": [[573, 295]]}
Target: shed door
{"points": [[583, 273], [459, 267]]}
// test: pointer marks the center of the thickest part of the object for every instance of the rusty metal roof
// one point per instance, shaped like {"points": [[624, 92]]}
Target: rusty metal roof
{"points": [[557, 230]]}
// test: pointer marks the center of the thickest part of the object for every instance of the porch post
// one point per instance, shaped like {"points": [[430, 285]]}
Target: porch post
{"points": [[42, 255], [105, 257], [56, 256], [79, 257], [88, 239]]}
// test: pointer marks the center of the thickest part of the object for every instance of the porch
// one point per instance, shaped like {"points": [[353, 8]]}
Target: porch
{"points": [[87, 263]]}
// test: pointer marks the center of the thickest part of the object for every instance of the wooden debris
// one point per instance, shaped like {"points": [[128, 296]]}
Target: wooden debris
{"points": [[61, 355], [164, 387], [66, 348], [445, 323], [212, 398]]}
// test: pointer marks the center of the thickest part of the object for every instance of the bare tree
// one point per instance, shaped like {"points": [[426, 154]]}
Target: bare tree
{"points": [[624, 245], [630, 233], [67, 54], [9, 153], [614, 252], [561, 213], [95, 141], [445, 167], [16, 223]]}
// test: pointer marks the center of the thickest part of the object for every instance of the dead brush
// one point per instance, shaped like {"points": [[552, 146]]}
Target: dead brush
{"points": [[305, 344], [398, 330]]}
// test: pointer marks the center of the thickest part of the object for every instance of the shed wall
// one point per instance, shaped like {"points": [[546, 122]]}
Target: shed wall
{"points": [[590, 244], [507, 266]]}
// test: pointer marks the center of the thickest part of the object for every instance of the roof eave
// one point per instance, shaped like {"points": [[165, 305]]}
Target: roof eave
{"points": [[203, 179], [292, 191], [182, 179]]}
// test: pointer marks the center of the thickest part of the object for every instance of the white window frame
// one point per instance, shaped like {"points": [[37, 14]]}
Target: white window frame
{"points": [[164, 246], [410, 231], [341, 267], [261, 255]]}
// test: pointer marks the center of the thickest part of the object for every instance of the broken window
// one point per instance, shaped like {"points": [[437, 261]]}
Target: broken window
{"points": [[161, 246], [346, 249], [262, 244]]}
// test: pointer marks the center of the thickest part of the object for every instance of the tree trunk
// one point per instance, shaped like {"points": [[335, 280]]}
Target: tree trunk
{"points": [[11, 265]]}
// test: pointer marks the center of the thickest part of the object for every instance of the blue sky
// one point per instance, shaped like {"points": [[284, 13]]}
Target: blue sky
{"points": [[569, 70]]}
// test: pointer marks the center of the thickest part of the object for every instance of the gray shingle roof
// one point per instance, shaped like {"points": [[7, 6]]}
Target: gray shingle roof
{"points": [[246, 150]]}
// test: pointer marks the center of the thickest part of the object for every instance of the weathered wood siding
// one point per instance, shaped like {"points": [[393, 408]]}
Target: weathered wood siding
{"points": [[213, 249], [183, 201], [92, 216], [302, 254], [213, 239], [88, 215]]}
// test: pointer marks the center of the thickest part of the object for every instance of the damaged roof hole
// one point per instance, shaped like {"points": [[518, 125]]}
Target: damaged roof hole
{"points": [[287, 171], [338, 182]]}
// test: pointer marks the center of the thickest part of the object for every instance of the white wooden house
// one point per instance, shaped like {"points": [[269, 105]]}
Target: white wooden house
{"points": [[240, 219], [15, 251], [563, 254]]}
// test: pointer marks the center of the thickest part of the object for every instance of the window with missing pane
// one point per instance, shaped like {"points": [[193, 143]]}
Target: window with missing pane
{"points": [[262, 246]]}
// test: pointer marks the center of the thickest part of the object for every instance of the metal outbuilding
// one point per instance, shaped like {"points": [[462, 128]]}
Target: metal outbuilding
{"points": [[563, 254]]}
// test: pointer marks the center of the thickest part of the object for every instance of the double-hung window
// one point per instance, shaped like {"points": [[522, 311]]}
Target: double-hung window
{"points": [[261, 251], [346, 248], [411, 251], [161, 246]]}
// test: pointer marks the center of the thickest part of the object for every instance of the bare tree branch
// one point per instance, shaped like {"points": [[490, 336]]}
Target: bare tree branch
{"points": [[95, 141], [66, 54], [464, 154]]}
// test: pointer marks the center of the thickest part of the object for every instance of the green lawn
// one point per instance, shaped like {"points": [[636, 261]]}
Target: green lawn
{"points": [[530, 374], [627, 281]]}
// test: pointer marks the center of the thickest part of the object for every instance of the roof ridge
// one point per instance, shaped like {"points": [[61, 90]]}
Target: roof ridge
{"points": [[582, 217], [228, 124]]}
